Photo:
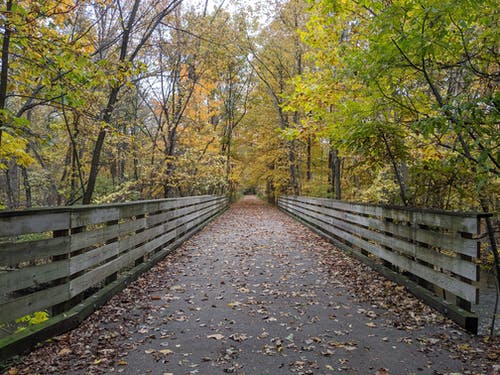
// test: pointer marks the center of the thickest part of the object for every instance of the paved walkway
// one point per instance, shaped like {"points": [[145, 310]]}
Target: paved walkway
{"points": [[258, 293]]}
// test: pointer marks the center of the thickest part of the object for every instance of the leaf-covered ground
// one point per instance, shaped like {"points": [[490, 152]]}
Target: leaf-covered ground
{"points": [[258, 293]]}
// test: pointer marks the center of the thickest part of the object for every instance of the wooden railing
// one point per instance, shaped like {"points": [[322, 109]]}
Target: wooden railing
{"points": [[56, 259], [434, 253]]}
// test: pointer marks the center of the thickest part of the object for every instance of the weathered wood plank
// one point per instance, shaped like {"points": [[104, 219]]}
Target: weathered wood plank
{"points": [[455, 286], [30, 303], [459, 222], [81, 218], [93, 257], [11, 254], [170, 215], [32, 276], [24, 224], [98, 274], [449, 241], [185, 201], [184, 219], [101, 235], [454, 264]]}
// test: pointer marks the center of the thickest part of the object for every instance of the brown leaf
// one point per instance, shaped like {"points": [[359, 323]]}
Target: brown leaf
{"points": [[64, 351], [382, 371], [239, 337]]}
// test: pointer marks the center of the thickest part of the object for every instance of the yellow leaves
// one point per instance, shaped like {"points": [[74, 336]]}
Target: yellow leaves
{"points": [[430, 152], [14, 148], [29, 320]]}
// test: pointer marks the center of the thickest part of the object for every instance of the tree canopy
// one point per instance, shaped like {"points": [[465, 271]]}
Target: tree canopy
{"points": [[387, 102]]}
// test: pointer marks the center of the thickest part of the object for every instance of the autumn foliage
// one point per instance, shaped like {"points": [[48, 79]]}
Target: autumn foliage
{"points": [[117, 100]]}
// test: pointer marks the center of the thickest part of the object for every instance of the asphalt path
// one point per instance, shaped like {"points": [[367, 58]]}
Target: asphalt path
{"points": [[258, 293]]}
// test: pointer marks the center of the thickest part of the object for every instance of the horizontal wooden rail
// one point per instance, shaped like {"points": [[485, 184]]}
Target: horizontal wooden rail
{"points": [[55, 259], [434, 253]]}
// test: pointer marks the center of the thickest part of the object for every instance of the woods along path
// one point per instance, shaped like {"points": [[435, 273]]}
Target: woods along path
{"points": [[258, 293]]}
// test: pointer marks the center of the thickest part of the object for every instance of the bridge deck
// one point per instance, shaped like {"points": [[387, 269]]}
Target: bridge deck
{"points": [[258, 293]]}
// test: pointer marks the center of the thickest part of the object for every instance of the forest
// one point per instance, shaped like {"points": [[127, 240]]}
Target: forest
{"points": [[391, 102]]}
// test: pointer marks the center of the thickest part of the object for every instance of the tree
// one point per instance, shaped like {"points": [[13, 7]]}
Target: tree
{"points": [[127, 54], [413, 95]]}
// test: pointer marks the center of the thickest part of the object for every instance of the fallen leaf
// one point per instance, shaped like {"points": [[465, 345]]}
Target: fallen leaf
{"points": [[382, 371], [64, 351], [122, 363], [165, 351], [216, 336], [371, 325], [239, 337]]}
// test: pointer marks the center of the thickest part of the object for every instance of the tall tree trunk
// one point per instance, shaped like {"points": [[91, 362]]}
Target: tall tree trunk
{"points": [[294, 184], [335, 173], [27, 187], [336, 167], [309, 158], [170, 153], [8, 185], [96, 154], [228, 159], [4, 73], [397, 172], [292, 158], [108, 111]]}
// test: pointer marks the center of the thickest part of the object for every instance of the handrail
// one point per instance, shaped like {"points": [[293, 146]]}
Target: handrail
{"points": [[434, 253], [55, 259]]}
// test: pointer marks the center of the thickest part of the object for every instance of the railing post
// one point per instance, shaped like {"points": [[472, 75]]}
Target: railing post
{"points": [[113, 276]]}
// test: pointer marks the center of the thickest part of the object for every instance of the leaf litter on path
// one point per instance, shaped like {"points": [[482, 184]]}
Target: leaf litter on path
{"points": [[279, 294]]}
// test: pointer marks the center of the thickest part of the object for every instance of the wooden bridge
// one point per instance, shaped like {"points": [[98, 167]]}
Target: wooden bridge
{"points": [[254, 293]]}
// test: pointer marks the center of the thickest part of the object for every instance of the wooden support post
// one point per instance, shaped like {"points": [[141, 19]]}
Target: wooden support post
{"points": [[141, 259], [66, 305], [114, 275]]}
